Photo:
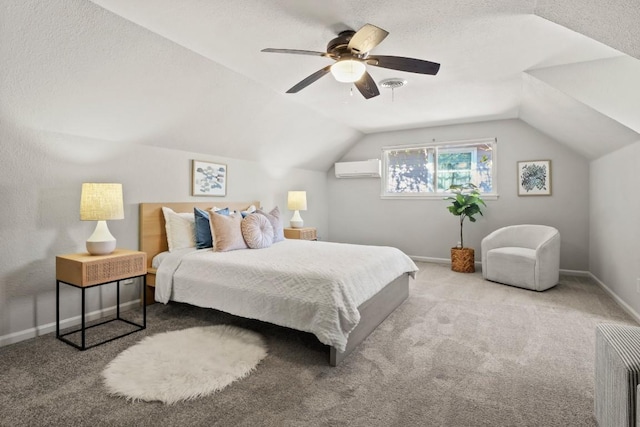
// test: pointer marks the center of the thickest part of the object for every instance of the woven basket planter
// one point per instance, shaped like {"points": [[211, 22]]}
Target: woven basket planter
{"points": [[463, 260]]}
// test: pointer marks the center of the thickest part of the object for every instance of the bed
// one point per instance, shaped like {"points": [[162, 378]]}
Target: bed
{"points": [[298, 284]]}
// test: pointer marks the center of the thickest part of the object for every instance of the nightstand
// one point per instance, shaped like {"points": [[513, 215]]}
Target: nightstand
{"points": [[304, 233], [85, 271]]}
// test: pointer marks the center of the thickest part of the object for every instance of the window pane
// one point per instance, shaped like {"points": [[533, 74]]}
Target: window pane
{"points": [[410, 170], [454, 168], [432, 168], [484, 171]]}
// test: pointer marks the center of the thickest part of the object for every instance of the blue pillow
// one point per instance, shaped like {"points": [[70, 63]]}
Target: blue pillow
{"points": [[203, 229]]}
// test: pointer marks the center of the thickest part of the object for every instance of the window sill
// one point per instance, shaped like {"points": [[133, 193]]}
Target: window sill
{"points": [[439, 196]]}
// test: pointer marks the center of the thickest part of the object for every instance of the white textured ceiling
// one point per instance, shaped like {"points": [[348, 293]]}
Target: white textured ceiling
{"points": [[483, 48], [190, 74], [613, 22]]}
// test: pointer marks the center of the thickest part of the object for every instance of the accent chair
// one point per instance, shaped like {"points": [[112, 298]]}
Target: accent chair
{"points": [[526, 256]]}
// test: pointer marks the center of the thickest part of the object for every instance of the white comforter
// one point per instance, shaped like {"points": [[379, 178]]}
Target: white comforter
{"points": [[310, 286]]}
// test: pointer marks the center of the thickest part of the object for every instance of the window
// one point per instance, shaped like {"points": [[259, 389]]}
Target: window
{"points": [[429, 170]]}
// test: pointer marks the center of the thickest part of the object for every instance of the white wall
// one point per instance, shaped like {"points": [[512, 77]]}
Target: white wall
{"points": [[425, 228], [40, 180], [614, 256]]}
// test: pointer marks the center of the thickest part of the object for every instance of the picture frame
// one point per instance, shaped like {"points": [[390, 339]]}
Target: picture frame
{"points": [[208, 179], [534, 178]]}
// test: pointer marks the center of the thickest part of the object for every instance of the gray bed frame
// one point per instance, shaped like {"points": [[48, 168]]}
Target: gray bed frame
{"points": [[372, 313]]}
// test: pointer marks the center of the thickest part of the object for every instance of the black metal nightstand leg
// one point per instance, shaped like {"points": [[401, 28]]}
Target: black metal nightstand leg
{"points": [[82, 328], [144, 302], [57, 309], [118, 300]]}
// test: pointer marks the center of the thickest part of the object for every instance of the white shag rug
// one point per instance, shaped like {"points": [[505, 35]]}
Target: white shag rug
{"points": [[185, 364]]}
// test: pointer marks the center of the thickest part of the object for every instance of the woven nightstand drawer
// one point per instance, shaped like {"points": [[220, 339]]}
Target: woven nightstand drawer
{"points": [[306, 233], [89, 270]]}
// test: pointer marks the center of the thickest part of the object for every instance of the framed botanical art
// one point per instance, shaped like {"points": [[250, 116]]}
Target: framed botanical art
{"points": [[534, 178], [208, 179]]}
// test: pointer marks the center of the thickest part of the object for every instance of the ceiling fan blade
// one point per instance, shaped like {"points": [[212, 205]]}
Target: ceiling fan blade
{"points": [[401, 63], [366, 38], [367, 86], [312, 78], [295, 51]]}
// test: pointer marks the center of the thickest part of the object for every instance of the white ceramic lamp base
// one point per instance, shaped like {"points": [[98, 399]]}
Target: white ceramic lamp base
{"points": [[101, 242], [296, 220]]}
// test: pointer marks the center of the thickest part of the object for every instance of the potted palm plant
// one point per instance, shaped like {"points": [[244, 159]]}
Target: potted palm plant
{"points": [[465, 203]]}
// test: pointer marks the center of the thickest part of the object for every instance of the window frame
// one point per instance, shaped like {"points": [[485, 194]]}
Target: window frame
{"points": [[435, 146]]}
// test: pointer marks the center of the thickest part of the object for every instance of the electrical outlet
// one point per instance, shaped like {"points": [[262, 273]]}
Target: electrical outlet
{"points": [[127, 281]]}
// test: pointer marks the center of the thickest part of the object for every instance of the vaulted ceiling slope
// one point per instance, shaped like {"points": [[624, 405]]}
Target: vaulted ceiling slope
{"points": [[190, 74], [596, 103], [69, 67]]}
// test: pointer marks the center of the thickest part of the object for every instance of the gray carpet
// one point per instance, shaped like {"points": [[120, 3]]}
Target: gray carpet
{"points": [[459, 352]]}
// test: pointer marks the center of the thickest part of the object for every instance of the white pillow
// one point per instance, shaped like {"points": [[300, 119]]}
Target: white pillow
{"points": [[181, 229]]}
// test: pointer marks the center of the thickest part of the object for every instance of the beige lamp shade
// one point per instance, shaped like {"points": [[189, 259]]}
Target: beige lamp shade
{"points": [[297, 201], [101, 202]]}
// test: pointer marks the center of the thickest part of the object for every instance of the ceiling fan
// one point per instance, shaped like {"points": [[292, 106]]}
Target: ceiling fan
{"points": [[350, 50]]}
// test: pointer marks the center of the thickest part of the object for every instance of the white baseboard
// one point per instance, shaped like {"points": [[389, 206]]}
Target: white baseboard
{"points": [[580, 273], [65, 323], [430, 259], [478, 264], [626, 307]]}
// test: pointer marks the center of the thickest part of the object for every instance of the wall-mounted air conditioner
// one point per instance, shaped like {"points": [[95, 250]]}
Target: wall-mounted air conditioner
{"points": [[364, 169]]}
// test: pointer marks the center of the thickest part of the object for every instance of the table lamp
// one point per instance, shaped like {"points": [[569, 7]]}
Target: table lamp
{"points": [[101, 202], [297, 201]]}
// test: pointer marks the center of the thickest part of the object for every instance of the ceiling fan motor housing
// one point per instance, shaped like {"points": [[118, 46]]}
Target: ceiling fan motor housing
{"points": [[339, 46]]}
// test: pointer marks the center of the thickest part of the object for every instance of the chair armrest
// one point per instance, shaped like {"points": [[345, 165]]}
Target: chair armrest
{"points": [[491, 241], [548, 262]]}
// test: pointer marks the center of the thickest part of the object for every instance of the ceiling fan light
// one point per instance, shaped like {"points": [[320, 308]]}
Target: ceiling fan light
{"points": [[348, 70]]}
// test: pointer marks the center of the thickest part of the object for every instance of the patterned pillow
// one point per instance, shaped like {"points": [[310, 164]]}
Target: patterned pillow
{"points": [[225, 230], [180, 229], [276, 222], [257, 231]]}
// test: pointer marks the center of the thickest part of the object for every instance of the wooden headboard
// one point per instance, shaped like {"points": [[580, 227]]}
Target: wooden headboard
{"points": [[153, 236]]}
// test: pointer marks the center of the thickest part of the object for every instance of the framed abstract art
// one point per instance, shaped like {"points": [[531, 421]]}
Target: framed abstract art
{"points": [[208, 179], [534, 178]]}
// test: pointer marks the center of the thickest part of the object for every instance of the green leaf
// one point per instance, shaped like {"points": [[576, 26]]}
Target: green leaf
{"points": [[453, 210]]}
